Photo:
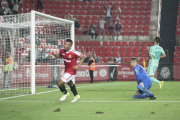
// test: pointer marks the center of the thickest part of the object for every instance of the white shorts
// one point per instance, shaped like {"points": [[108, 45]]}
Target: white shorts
{"points": [[117, 32], [67, 77]]}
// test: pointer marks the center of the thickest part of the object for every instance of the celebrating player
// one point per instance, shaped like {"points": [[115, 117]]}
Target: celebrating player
{"points": [[143, 81], [70, 58], [155, 53]]}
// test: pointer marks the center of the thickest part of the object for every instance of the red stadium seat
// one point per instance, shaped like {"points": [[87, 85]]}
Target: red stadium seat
{"points": [[134, 18], [108, 54], [124, 43], [114, 54], [129, 49], [146, 33], [102, 59], [127, 59], [123, 49], [141, 59], [132, 27], [125, 33], [84, 48], [126, 22], [144, 43], [102, 54], [90, 48], [138, 43], [132, 33], [118, 43], [86, 43], [83, 7], [127, 18], [70, 7], [96, 53], [128, 54], [135, 9], [78, 48], [65, 3], [82, 12], [116, 49], [126, 28], [151, 43], [58, 3], [140, 18], [142, 3], [76, 7], [131, 43], [177, 48], [105, 43], [136, 4], [109, 49], [97, 43], [122, 54], [143, 54], [135, 54], [111, 43], [91, 43], [146, 27], [96, 48], [139, 28], [139, 33], [102, 49], [71, 3], [176, 60], [80, 43], [144, 49], [176, 54], [135, 13], [129, 4]]}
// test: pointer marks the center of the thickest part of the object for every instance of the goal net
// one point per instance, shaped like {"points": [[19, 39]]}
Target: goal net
{"points": [[26, 45]]}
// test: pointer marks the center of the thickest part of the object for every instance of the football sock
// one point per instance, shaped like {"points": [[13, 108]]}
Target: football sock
{"points": [[144, 90], [154, 80], [63, 89], [73, 89], [140, 96]]}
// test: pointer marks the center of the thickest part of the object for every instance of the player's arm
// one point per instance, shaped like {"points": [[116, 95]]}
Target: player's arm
{"points": [[136, 69], [150, 52], [82, 58], [163, 55], [56, 55], [90, 62]]}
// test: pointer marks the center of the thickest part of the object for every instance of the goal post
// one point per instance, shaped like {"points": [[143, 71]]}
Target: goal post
{"points": [[33, 25], [51, 32]]}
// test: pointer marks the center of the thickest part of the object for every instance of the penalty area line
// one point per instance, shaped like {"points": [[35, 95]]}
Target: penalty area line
{"points": [[58, 90]]}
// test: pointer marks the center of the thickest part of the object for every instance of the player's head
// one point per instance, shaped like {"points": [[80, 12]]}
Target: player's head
{"points": [[133, 62], [118, 55], [68, 44], [157, 40]]}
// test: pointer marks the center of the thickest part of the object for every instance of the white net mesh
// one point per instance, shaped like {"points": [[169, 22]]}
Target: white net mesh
{"points": [[15, 49]]}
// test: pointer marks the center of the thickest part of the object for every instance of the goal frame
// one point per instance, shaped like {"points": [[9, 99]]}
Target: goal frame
{"points": [[32, 33]]}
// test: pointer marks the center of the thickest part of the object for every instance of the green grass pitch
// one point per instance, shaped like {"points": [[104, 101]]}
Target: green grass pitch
{"points": [[99, 101]]}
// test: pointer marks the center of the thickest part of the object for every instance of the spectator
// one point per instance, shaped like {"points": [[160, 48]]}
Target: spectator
{"points": [[7, 11], [118, 27], [108, 13], [10, 5], [43, 54], [91, 67], [101, 27], [76, 24], [29, 56], [8, 68], [16, 6], [4, 4], [39, 4], [110, 60], [118, 59], [93, 31], [111, 28], [28, 38], [118, 13], [98, 59]]}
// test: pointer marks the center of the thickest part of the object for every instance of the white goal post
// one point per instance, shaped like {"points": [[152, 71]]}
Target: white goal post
{"points": [[24, 36], [33, 24]]}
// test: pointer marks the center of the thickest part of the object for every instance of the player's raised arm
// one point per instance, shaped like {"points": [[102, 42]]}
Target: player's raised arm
{"points": [[56, 55], [82, 58]]}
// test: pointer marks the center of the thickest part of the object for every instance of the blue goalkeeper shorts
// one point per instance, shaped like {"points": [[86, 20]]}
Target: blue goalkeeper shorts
{"points": [[147, 84]]}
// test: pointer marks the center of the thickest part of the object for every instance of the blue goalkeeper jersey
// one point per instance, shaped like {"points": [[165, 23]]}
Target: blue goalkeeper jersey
{"points": [[141, 74]]}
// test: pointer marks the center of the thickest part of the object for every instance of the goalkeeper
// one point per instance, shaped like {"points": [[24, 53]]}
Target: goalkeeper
{"points": [[8, 67], [143, 81]]}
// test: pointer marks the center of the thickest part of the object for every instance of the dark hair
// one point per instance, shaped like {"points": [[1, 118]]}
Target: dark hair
{"points": [[134, 59], [110, 59], [69, 40], [157, 39]]}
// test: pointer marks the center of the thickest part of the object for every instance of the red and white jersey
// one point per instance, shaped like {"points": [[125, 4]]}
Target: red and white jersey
{"points": [[70, 59]]}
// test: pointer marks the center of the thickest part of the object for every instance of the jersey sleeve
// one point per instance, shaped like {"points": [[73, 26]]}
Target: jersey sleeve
{"points": [[151, 51], [76, 53], [60, 52], [162, 51], [136, 70]]}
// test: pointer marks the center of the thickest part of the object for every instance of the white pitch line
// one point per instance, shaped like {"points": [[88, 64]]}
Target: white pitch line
{"points": [[126, 101], [58, 90]]}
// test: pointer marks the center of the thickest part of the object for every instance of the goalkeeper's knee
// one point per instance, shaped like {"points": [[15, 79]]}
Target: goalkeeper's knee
{"points": [[139, 87]]}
